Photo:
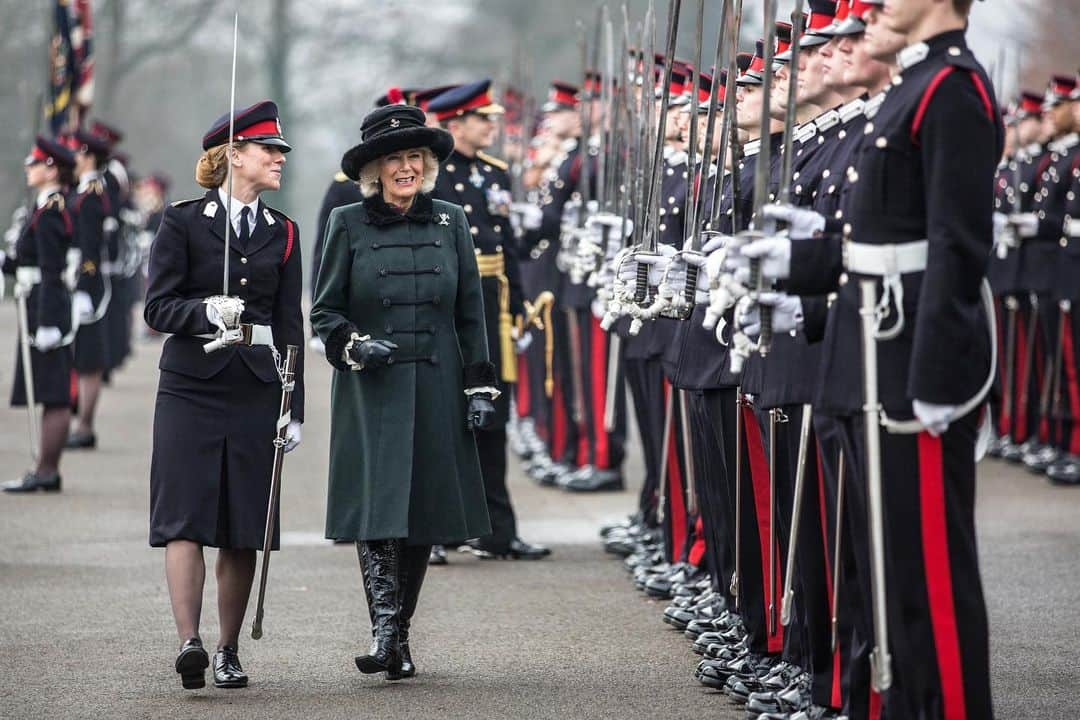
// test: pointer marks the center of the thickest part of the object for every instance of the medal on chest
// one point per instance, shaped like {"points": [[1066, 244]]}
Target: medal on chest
{"points": [[475, 177]]}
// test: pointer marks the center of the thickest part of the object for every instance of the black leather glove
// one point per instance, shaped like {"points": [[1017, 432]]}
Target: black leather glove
{"points": [[372, 353], [481, 413]]}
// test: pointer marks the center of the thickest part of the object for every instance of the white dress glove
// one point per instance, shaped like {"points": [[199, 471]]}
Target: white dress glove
{"points": [[787, 314], [773, 252], [292, 436], [47, 338], [1026, 224], [935, 418], [84, 306], [802, 223], [657, 265], [529, 216]]}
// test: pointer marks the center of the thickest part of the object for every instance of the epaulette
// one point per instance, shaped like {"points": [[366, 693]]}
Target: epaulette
{"points": [[492, 160], [280, 214], [181, 203], [340, 177], [56, 200], [961, 58]]}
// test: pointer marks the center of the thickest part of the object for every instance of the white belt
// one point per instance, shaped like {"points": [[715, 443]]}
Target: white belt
{"points": [[1072, 227], [253, 335], [890, 263], [28, 276], [886, 260], [112, 268]]}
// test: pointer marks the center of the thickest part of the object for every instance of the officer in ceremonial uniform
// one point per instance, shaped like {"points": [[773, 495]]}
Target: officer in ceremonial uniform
{"points": [[39, 266], [481, 185], [216, 413], [95, 223]]}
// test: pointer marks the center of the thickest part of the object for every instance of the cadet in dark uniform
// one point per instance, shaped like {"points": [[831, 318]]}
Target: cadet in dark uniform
{"points": [[38, 266], [95, 222], [399, 307], [481, 185], [214, 424]]}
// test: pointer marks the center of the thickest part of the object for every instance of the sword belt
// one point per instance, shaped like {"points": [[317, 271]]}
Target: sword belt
{"points": [[890, 263], [254, 335], [493, 265]]}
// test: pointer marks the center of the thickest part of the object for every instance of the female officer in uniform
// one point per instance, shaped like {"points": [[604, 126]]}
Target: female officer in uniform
{"points": [[38, 266], [216, 411], [398, 304]]}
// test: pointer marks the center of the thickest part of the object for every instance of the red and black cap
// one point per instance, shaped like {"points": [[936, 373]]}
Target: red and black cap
{"points": [[754, 73], [110, 133], [392, 128], [705, 88], [1061, 89], [50, 152], [843, 7], [821, 15], [473, 97], [854, 23], [679, 89], [561, 96], [88, 141], [258, 123], [782, 53], [397, 96], [1029, 105], [423, 98]]}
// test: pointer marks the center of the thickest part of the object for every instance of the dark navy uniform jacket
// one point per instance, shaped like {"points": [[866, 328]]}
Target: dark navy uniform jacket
{"points": [[342, 191], [1051, 198], [186, 262], [43, 243], [91, 208], [925, 171], [1029, 266], [1069, 270]]}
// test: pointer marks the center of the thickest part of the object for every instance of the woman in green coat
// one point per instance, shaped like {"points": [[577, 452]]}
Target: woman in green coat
{"points": [[398, 305]]}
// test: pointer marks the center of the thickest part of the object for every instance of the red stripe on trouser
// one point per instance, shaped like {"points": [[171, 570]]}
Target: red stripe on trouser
{"points": [[1004, 421], [521, 390], [598, 346], [1020, 389], [697, 550], [875, 705], [939, 586], [558, 429], [1074, 388], [836, 699], [676, 503], [759, 477], [1041, 347]]}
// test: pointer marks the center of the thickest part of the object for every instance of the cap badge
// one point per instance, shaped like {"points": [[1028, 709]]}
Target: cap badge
{"points": [[210, 210], [394, 122], [444, 219]]}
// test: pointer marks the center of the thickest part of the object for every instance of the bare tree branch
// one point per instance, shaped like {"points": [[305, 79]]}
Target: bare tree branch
{"points": [[163, 46]]}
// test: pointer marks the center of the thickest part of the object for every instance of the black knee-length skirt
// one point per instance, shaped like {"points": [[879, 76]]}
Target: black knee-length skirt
{"points": [[213, 455], [53, 379]]}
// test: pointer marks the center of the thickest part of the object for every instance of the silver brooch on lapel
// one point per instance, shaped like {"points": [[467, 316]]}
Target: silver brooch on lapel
{"points": [[210, 210], [444, 219], [394, 122], [268, 216]]}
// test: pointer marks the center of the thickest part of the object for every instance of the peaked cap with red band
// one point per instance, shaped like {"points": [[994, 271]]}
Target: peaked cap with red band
{"points": [[1060, 89], [1030, 105], [470, 98], [843, 7], [822, 13], [102, 130], [854, 23], [49, 152], [88, 141], [561, 96], [754, 72], [782, 48], [258, 123]]}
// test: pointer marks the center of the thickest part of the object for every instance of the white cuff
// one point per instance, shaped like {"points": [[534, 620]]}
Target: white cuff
{"points": [[486, 389]]}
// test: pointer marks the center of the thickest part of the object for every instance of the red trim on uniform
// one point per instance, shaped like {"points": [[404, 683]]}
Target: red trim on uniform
{"points": [[522, 389], [875, 705], [676, 501], [1040, 380], [38, 154], [558, 424], [563, 97], [939, 584], [290, 232], [759, 479], [598, 348], [818, 20], [928, 95], [264, 127], [1020, 391], [477, 102], [1004, 421], [69, 226], [1074, 388], [989, 106], [697, 550]]}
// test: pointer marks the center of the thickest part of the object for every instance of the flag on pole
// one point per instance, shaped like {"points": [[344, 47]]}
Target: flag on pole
{"points": [[71, 65]]}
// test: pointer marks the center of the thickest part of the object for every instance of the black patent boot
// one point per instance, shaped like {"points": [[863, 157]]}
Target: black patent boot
{"points": [[379, 563], [411, 570]]}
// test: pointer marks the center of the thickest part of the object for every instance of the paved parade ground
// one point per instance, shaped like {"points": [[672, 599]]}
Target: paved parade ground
{"points": [[85, 626]]}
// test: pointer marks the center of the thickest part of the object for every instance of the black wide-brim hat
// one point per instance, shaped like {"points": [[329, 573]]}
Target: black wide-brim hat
{"points": [[392, 128]]}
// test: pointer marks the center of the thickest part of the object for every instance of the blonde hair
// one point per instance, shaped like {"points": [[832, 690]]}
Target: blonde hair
{"points": [[369, 175], [213, 167]]}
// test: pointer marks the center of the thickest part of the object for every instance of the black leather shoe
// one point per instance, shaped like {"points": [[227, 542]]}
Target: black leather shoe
{"points": [[1065, 471], [437, 556], [191, 664], [1040, 458], [516, 550], [78, 440], [227, 671], [1012, 452], [379, 562], [32, 482], [595, 480]]}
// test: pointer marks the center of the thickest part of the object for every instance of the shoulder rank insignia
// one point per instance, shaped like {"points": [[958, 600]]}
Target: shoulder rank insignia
{"points": [[444, 218], [492, 160], [211, 209], [341, 177], [269, 217]]}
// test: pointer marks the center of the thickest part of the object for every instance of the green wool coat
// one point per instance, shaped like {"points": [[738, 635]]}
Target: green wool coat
{"points": [[402, 464]]}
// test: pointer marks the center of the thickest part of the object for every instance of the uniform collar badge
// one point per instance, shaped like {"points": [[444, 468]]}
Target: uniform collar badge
{"points": [[912, 55], [210, 210], [444, 219], [268, 216]]}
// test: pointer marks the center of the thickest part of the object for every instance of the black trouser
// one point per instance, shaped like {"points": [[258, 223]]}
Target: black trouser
{"points": [[491, 447], [646, 382], [603, 449], [937, 622], [712, 419]]}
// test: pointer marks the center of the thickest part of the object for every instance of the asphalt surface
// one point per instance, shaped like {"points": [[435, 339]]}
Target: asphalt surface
{"points": [[85, 626]]}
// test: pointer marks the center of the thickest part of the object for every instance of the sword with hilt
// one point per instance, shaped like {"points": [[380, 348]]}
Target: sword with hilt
{"points": [[776, 417], [733, 589], [282, 425], [834, 611], [796, 514], [880, 661], [229, 308], [651, 238]]}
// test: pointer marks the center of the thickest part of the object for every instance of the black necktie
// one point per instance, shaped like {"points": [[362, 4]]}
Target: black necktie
{"points": [[245, 229]]}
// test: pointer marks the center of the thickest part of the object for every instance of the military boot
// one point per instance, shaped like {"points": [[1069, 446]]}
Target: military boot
{"points": [[379, 562]]}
